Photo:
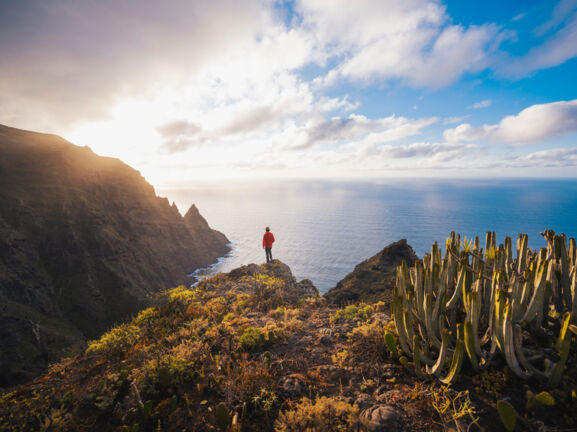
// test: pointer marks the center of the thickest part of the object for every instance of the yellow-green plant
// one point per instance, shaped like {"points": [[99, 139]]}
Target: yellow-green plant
{"points": [[508, 415], [360, 311], [252, 339], [475, 305], [321, 415], [116, 341], [453, 406]]}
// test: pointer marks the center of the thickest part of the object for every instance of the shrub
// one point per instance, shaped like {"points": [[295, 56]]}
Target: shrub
{"points": [[168, 372], [146, 316], [252, 339], [182, 294], [116, 341], [321, 415], [361, 311], [368, 342]]}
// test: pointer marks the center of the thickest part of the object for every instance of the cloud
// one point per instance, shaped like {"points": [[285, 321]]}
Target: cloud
{"points": [[410, 41], [560, 12], [555, 50], [357, 127], [559, 157], [433, 151], [181, 135], [454, 120], [66, 61], [534, 124], [483, 104]]}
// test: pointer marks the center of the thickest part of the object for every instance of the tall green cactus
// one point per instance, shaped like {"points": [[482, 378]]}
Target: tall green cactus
{"points": [[477, 304]]}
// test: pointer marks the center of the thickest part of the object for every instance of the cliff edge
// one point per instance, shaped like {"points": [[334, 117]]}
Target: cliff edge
{"points": [[84, 240]]}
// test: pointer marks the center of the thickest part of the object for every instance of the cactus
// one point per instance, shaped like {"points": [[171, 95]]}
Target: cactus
{"points": [[391, 342], [147, 409], [508, 414], [223, 417], [470, 304]]}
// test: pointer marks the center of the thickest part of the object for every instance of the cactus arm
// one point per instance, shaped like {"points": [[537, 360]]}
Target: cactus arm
{"points": [[564, 343], [438, 366], [431, 321], [565, 282], [399, 323], [470, 345], [508, 253], [536, 304], [522, 253], [509, 345], [518, 339], [418, 282], [457, 292], [498, 321], [457, 360], [417, 357], [574, 292]]}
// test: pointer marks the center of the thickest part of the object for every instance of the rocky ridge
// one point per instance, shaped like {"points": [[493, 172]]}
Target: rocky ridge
{"points": [[373, 279], [84, 241]]}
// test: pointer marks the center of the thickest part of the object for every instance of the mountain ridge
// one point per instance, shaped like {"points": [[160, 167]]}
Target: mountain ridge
{"points": [[83, 241]]}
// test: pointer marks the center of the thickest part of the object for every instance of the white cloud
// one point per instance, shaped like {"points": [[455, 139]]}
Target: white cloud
{"points": [[432, 151], [357, 127], [560, 12], [410, 41], [555, 50], [68, 61], [482, 104], [535, 123], [559, 157]]}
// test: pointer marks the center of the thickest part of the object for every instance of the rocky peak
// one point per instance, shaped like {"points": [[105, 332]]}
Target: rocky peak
{"points": [[374, 278]]}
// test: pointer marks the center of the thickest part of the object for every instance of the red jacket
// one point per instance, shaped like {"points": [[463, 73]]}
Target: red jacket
{"points": [[267, 239]]}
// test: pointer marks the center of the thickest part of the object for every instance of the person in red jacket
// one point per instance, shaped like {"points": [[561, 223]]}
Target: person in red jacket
{"points": [[267, 241]]}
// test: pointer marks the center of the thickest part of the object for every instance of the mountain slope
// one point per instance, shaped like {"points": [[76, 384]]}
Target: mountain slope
{"points": [[83, 241]]}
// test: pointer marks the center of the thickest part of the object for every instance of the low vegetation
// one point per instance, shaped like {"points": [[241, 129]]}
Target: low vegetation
{"points": [[233, 354]]}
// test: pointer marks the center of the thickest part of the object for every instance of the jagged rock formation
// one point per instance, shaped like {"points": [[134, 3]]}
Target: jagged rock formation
{"points": [[83, 241], [374, 278]]}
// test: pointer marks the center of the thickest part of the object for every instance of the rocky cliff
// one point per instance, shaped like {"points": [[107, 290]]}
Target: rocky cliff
{"points": [[374, 278], [84, 240]]}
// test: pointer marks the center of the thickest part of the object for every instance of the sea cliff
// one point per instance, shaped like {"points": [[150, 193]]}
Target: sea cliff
{"points": [[84, 242]]}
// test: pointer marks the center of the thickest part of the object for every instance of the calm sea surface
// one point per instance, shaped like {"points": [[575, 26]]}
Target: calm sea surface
{"points": [[323, 229]]}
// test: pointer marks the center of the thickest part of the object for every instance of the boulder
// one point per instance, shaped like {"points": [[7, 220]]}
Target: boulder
{"points": [[382, 418]]}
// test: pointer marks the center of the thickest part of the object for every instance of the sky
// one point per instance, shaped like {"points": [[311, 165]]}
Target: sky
{"points": [[188, 90]]}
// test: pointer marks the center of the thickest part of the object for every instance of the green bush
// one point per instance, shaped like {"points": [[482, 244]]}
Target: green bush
{"points": [[361, 311], [116, 341], [252, 340]]}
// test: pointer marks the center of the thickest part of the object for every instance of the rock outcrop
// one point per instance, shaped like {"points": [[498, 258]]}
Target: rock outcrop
{"points": [[291, 290], [84, 240], [374, 278]]}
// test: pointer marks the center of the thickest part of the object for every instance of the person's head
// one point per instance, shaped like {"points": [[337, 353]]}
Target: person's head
{"points": [[267, 229]]}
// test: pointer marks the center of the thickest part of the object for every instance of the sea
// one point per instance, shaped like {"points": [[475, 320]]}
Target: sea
{"points": [[323, 229]]}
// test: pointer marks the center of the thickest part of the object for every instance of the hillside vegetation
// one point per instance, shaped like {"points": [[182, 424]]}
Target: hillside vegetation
{"points": [[256, 350]]}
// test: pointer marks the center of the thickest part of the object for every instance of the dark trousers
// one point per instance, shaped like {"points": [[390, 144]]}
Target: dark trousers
{"points": [[268, 254]]}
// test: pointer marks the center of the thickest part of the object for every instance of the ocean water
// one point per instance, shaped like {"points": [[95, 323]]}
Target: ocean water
{"points": [[324, 228]]}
